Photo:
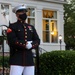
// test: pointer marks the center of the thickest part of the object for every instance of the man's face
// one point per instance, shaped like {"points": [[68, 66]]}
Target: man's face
{"points": [[20, 13]]}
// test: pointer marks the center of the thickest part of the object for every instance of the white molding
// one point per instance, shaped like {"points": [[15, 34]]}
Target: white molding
{"points": [[56, 1]]}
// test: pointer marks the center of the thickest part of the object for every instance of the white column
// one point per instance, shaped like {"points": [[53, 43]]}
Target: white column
{"points": [[13, 17], [61, 26], [38, 21], [0, 22], [10, 13]]}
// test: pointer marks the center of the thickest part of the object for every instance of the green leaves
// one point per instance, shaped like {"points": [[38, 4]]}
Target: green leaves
{"points": [[57, 63], [6, 61], [69, 25]]}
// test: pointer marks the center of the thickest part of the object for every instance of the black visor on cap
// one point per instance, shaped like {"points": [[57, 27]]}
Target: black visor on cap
{"points": [[21, 10]]}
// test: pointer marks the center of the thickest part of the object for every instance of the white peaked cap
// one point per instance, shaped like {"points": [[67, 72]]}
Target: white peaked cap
{"points": [[19, 7]]}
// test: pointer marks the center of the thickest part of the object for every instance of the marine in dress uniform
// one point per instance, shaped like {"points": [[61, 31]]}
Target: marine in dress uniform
{"points": [[22, 38]]}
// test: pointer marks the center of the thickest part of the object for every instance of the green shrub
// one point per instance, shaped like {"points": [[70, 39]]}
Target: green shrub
{"points": [[0, 60], [57, 63], [6, 61]]}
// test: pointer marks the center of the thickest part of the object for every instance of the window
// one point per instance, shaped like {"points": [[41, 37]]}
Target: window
{"points": [[5, 13], [31, 16], [50, 32]]}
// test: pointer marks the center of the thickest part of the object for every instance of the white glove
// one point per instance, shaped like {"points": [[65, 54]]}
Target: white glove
{"points": [[29, 45], [29, 41]]}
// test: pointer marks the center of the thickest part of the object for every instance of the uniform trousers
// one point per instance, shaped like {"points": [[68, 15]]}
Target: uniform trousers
{"points": [[21, 70]]}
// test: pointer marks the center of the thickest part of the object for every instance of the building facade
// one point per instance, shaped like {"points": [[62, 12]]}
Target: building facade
{"points": [[47, 16]]}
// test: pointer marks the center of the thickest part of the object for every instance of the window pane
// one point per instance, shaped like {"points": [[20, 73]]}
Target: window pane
{"points": [[31, 12], [53, 25], [53, 31], [45, 36], [5, 13], [49, 14], [45, 24], [50, 31], [54, 38], [31, 21], [55, 14]]}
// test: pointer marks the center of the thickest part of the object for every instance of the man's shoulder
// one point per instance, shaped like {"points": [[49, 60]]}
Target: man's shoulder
{"points": [[13, 25]]}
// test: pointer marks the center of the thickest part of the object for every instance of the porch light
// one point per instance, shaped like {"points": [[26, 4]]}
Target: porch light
{"points": [[60, 40], [60, 37]]}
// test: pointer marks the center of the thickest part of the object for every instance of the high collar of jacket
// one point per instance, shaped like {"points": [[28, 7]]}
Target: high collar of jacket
{"points": [[20, 21]]}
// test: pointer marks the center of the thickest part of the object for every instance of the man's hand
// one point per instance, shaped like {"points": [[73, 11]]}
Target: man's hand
{"points": [[29, 45]]}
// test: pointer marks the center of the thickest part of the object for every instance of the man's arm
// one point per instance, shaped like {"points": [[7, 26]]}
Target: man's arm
{"points": [[12, 39], [36, 40]]}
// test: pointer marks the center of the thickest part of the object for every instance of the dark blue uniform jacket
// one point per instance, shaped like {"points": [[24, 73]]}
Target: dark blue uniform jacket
{"points": [[17, 38]]}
